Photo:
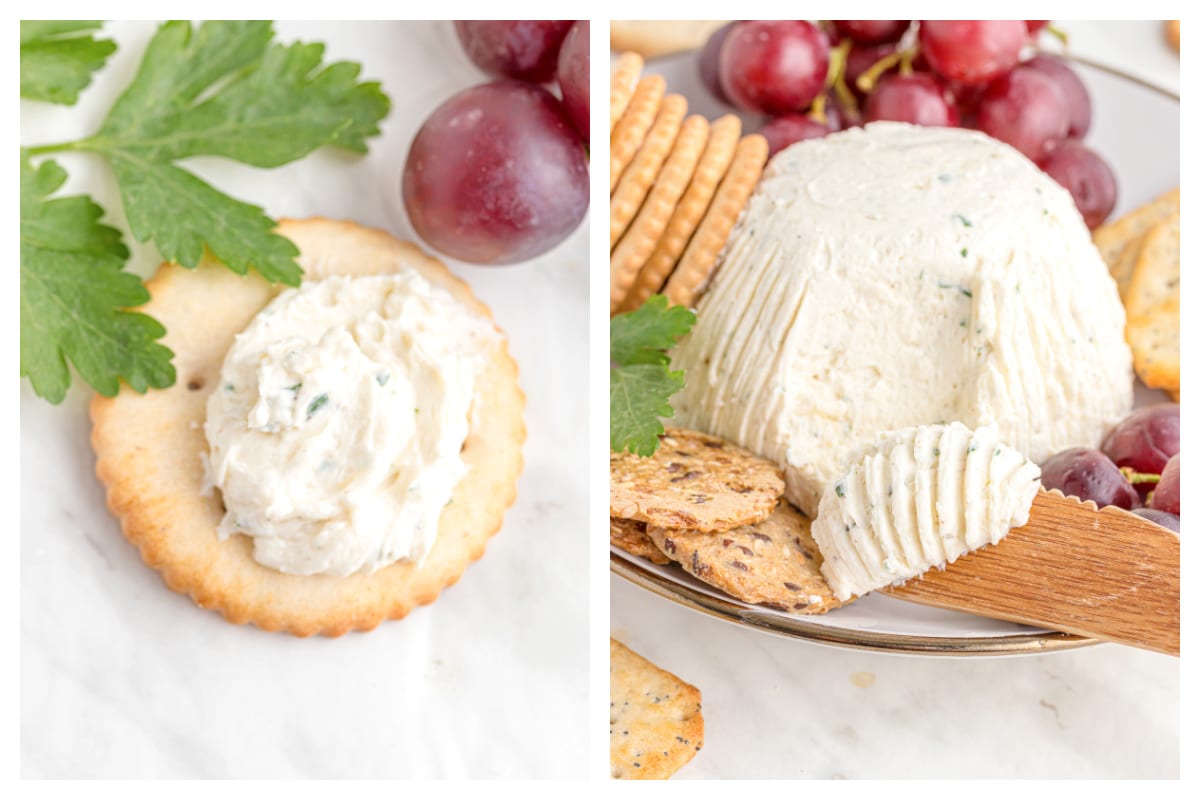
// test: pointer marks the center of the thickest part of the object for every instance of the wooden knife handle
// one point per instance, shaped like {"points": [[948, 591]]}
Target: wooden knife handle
{"points": [[1104, 573]]}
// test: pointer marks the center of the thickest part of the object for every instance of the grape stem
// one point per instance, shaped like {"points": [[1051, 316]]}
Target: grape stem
{"points": [[836, 77], [1058, 33], [866, 82], [1139, 477]]}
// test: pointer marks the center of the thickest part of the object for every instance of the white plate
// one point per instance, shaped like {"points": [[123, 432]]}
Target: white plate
{"points": [[1135, 126]]}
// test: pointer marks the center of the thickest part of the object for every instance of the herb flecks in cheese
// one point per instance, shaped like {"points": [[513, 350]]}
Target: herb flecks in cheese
{"points": [[918, 499], [313, 441], [842, 317]]}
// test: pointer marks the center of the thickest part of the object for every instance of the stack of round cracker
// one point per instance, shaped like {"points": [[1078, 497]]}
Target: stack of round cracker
{"points": [[677, 185], [716, 510], [1142, 253]]}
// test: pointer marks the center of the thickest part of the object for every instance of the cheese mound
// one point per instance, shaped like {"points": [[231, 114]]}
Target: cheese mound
{"points": [[920, 498], [892, 276], [336, 432]]}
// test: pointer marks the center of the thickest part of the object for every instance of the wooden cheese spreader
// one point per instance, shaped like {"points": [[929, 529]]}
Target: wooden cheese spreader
{"points": [[1105, 573]]}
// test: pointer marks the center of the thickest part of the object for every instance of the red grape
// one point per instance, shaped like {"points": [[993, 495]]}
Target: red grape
{"points": [[774, 66], [972, 51], [1075, 94], [525, 49], [862, 58], [574, 76], [872, 31], [710, 58], [1169, 521], [1086, 176], [791, 128], [917, 98], [1034, 26], [1088, 475], [1146, 439], [1024, 109], [496, 175], [1166, 494]]}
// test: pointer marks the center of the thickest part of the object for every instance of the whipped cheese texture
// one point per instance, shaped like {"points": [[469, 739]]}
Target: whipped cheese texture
{"points": [[894, 275], [920, 498], [336, 429]]}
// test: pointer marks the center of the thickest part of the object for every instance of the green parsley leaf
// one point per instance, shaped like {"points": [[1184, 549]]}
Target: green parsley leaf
{"points": [[640, 381], [223, 89], [73, 295], [58, 58]]}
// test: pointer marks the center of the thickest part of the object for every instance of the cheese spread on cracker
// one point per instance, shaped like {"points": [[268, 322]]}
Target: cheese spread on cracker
{"points": [[894, 275], [920, 498], [336, 429]]}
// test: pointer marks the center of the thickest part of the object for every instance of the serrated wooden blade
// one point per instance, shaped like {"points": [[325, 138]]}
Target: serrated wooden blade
{"points": [[1103, 573]]}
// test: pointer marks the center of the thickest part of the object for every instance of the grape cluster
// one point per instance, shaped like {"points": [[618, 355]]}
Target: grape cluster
{"points": [[1136, 467], [816, 78], [498, 173]]}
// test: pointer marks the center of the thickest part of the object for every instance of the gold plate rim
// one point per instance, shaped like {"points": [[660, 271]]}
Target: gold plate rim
{"points": [[800, 628]]}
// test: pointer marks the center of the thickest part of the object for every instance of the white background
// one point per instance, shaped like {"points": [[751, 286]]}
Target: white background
{"points": [[778, 708], [121, 677]]}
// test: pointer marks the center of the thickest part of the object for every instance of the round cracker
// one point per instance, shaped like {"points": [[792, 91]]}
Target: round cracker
{"points": [[1155, 276], [148, 450], [714, 163], [643, 234], [775, 562], [693, 481], [633, 126], [1154, 339], [625, 73], [699, 260], [643, 171], [1115, 238], [630, 536]]}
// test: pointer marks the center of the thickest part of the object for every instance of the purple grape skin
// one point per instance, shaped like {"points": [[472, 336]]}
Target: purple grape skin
{"points": [[1166, 493], [1146, 439], [496, 175], [1089, 475], [1075, 95], [1163, 518], [1024, 109], [710, 56], [1089, 179], [782, 132]]}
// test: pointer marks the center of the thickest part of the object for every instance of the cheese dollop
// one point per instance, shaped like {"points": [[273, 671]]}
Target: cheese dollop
{"points": [[895, 275], [920, 498], [336, 429]]}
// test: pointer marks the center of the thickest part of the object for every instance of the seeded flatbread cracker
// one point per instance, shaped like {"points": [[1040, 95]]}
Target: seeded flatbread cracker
{"points": [[1113, 239], [630, 535], [699, 260], [1155, 278], [148, 451], [641, 173], [638, 242], [655, 725], [1154, 340], [625, 73], [774, 563], [693, 481], [714, 163], [633, 126], [660, 37]]}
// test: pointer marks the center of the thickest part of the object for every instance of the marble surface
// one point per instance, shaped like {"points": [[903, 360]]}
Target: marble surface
{"points": [[783, 708], [120, 677]]}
